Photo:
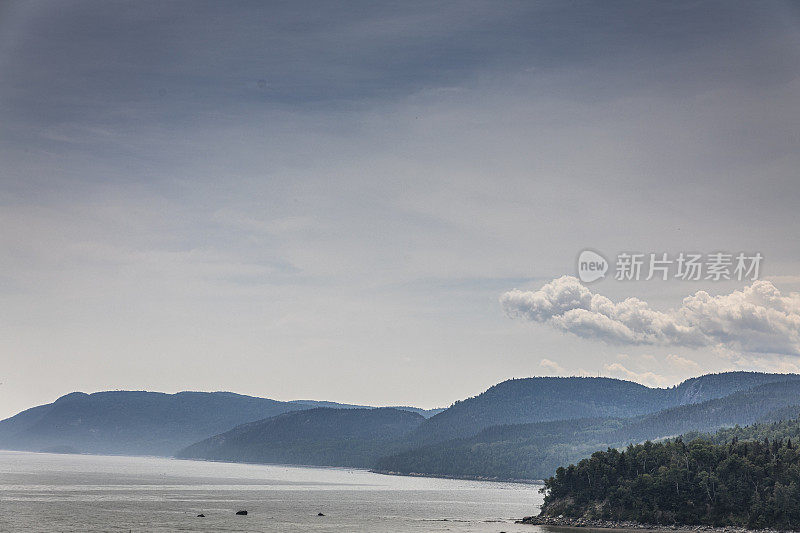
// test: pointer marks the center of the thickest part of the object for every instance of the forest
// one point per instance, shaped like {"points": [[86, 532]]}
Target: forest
{"points": [[535, 450], [747, 477]]}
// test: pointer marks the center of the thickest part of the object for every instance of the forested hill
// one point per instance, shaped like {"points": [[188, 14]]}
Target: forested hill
{"points": [[520, 401], [497, 433], [133, 422], [539, 399], [322, 436], [711, 386], [142, 423], [533, 451], [725, 480], [427, 413]]}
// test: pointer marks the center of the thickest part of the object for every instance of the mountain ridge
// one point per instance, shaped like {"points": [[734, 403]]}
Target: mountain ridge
{"points": [[154, 423], [319, 436], [534, 450], [542, 399]]}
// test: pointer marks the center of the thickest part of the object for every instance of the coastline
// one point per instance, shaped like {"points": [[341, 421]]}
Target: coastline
{"points": [[298, 465], [569, 522], [464, 478], [373, 471]]}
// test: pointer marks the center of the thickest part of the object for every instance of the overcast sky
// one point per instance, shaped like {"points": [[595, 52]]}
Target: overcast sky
{"points": [[337, 200]]}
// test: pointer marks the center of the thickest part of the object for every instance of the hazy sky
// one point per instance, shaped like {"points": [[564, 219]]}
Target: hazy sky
{"points": [[334, 200]]}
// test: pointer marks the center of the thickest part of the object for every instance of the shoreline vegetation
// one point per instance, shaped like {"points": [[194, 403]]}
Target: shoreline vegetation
{"points": [[741, 477]]}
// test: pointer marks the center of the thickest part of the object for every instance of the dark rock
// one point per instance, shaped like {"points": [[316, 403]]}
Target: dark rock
{"points": [[243, 513], [320, 514], [201, 515]]}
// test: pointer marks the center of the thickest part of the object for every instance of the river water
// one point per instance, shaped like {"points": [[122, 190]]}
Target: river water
{"points": [[51, 492]]}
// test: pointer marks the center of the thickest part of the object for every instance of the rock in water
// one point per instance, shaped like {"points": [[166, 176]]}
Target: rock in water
{"points": [[320, 514], [201, 515], [243, 513]]}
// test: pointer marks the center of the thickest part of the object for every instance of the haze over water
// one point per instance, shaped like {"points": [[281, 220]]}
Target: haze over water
{"points": [[50, 492]]}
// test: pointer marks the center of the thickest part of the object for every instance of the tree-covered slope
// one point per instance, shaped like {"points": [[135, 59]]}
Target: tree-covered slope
{"points": [[533, 451], [711, 386], [539, 399], [774, 426], [133, 422], [754, 484], [520, 401], [322, 436]]}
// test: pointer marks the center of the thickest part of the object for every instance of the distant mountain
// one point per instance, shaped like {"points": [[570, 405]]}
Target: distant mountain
{"points": [[531, 413], [133, 422], [427, 413], [743, 407], [533, 451], [321, 436], [541, 399], [710, 386], [535, 400], [142, 423]]}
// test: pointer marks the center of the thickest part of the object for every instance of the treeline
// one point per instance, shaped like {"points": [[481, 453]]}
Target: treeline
{"points": [[747, 483], [782, 430]]}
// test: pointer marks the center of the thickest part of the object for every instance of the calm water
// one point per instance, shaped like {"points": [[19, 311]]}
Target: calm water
{"points": [[47, 492]]}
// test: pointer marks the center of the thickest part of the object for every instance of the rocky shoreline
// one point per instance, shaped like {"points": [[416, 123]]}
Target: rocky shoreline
{"points": [[563, 521]]}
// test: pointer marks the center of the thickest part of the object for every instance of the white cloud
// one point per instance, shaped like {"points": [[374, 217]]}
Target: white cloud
{"points": [[756, 319], [682, 362], [552, 366], [645, 378]]}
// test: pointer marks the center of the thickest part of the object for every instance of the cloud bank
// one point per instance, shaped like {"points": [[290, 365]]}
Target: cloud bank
{"points": [[756, 319]]}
